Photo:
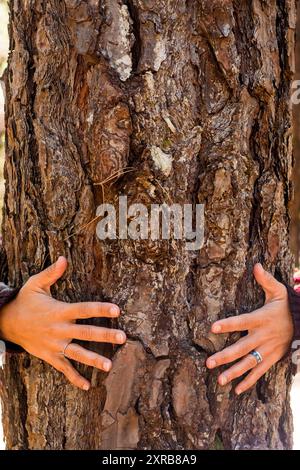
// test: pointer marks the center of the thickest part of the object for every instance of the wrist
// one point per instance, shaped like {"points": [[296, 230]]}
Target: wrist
{"points": [[7, 313], [7, 322]]}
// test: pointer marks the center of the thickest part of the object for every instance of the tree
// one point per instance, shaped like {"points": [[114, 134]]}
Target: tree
{"points": [[295, 212], [100, 94]]}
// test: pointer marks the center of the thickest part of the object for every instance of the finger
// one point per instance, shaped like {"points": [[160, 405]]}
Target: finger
{"points": [[232, 353], [96, 333], [91, 310], [255, 375], [270, 285], [243, 366], [48, 277], [244, 322], [65, 367], [90, 358], [237, 370]]}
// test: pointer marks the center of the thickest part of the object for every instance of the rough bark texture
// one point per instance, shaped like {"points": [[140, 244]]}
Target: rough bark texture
{"points": [[295, 210], [92, 88]]}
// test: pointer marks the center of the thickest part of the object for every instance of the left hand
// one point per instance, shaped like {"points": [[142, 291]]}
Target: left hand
{"points": [[45, 327], [270, 332]]}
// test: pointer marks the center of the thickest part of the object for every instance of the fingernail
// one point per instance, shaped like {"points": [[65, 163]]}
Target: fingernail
{"points": [[223, 380], [86, 387], [211, 363], [121, 337], [238, 391], [107, 366], [114, 311], [216, 329]]}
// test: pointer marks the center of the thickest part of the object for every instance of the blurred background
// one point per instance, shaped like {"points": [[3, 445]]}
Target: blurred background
{"points": [[295, 209]]}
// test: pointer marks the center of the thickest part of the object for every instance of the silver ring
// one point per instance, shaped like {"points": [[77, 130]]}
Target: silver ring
{"points": [[257, 356], [65, 348]]}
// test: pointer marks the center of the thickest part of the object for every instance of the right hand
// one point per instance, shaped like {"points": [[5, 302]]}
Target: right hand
{"points": [[45, 327], [270, 333]]}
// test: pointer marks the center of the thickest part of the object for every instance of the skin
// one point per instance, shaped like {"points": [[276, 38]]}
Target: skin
{"points": [[270, 332], [45, 327]]}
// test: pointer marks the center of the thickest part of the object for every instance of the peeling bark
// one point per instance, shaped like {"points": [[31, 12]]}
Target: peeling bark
{"points": [[195, 96]]}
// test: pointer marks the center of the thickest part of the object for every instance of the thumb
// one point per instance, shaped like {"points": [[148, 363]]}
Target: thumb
{"points": [[270, 285], [45, 279]]}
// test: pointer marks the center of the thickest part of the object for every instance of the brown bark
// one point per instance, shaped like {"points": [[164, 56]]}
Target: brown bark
{"points": [[96, 86], [295, 209]]}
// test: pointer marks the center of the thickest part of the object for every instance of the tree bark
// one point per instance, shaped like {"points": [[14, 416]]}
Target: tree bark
{"points": [[94, 87], [295, 210]]}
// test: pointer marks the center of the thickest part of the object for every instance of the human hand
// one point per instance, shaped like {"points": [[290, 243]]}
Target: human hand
{"points": [[270, 332], [45, 327]]}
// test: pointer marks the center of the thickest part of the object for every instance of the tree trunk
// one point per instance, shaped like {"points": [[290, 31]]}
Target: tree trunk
{"points": [[94, 87], [295, 210]]}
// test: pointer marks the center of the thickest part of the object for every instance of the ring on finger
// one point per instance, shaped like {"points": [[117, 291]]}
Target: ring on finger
{"points": [[65, 348], [257, 356]]}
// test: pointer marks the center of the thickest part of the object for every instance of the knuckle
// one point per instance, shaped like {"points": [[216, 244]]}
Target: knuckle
{"points": [[236, 373], [98, 363], [76, 355], [50, 270], [107, 335], [100, 308], [84, 310], [220, 358], [262, 318], [69, 312], [240, 322], [229, 375], [227, 324], [249, 383], [223, 357], [48, 273], [268, 276], [93, 361], [241, 349], [251, 379], [251, 361], [74, 380], [53, 331], [233, 374], [87, 333], [226, 357], [72, 375]]}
